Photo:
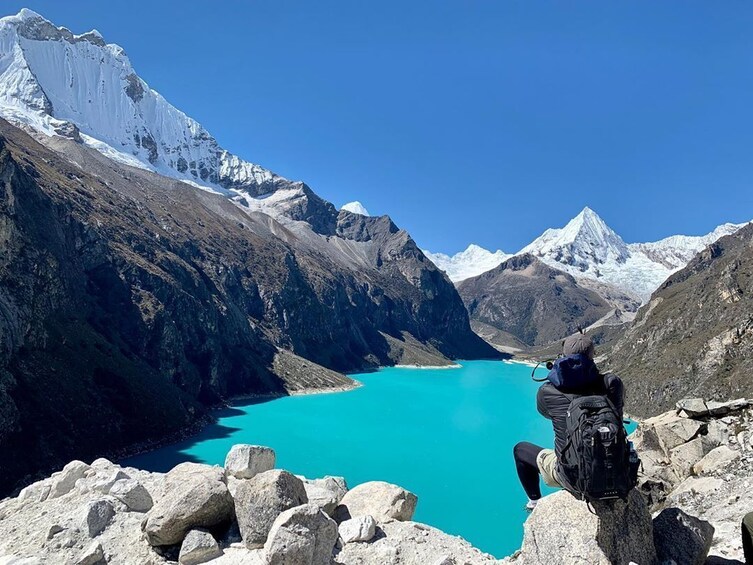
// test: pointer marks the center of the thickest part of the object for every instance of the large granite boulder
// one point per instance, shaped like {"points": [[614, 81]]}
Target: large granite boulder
{"points": [[260, 500], [133, 494], [381, 500], [681, 538], [326, 493], [65, 480], [303, 535], [245, 461], [563, 531], [195, 496]]}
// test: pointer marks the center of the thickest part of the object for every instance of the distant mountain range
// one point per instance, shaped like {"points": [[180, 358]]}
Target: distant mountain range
{"points": [[588, 248]]}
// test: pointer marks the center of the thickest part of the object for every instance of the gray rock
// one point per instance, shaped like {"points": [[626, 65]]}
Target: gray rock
{"points": [[258, 502], [360, 528], [716, 460], [91, 555], [198, 547], [693, 407], [303, 535], [381, 500], [717, 432], [681, 538], [724, 408], [54, 530], [410, 543], [97, 516], [66, 479], [677, 431], [695, 486], [326, 493], [36, 492], [562, 530], [133, 494], [101, 464], [105, 484], [684, 456], [195, 496], [245, 461]]}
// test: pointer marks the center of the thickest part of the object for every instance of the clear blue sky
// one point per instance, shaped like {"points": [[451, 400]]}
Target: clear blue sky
{"points": [[483, 121]]}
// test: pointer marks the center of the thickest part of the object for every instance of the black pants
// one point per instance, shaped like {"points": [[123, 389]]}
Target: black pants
{"points": [[748, 538], [528, 472]]}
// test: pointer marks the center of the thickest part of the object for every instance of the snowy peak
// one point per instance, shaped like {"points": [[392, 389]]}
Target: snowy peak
{"points": [[584, 241], [59, 83], [469, 263], [356, 208]]}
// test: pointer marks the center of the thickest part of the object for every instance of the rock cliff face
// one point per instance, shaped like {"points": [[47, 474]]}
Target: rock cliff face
{"points": [[529, 301], [695, 335], [129, 303]]}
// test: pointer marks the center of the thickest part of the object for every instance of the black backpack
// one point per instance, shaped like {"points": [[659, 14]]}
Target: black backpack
{"points": [[597, 462]]}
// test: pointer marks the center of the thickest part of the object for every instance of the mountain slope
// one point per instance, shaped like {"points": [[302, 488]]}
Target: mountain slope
{"points": [[529, 300], [129, 303], [695, 335]]}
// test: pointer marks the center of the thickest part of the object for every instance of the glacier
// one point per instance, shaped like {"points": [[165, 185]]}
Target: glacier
{"points": [[58, 83]]}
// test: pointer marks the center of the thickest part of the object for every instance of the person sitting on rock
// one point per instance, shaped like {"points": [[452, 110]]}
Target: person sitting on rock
{"points": [[553, 402]]}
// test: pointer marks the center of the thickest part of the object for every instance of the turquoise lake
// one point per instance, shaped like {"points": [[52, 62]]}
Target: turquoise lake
{"points": [[445, 434]]}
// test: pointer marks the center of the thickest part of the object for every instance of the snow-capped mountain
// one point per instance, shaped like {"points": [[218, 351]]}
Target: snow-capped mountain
{"points": [[469, 263], [81, 87], [356, 207], [676, 251], [588, 248], [585, 241]]}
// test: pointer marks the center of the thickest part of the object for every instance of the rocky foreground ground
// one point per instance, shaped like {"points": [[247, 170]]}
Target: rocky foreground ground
{"points": [[247, 513], [695, 488]]}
